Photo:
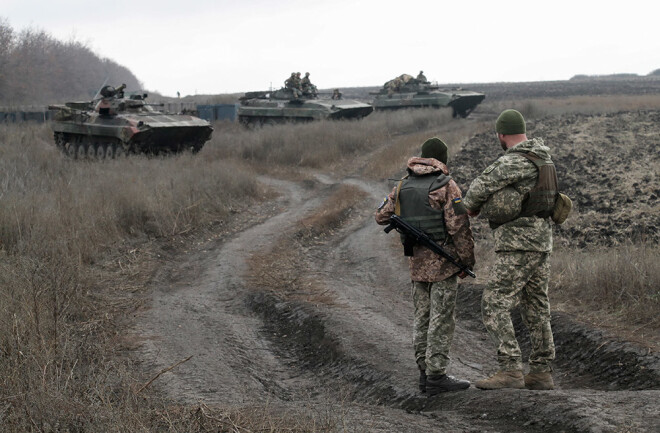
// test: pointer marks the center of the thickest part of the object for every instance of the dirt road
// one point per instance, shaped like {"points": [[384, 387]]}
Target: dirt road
{"points": [[355, 354]]}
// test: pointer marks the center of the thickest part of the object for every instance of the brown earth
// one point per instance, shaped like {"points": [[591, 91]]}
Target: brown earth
{"points": [[354, 353], [608, 164]]}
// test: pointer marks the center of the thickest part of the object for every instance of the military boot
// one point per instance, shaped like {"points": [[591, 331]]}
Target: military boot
{"points": [[539, 381], [422, 381], [503, 379], [443, 383]]}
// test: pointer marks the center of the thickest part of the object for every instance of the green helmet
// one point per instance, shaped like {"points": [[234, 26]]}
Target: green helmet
{"points": [[503, 206]]}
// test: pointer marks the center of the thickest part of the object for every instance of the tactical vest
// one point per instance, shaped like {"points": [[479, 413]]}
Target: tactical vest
{"points": [[540, 200], [412, 204]]}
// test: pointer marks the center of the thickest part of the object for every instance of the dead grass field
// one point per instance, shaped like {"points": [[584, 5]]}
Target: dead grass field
{"points": [[74, 247], [77, 243], [615, 289]]}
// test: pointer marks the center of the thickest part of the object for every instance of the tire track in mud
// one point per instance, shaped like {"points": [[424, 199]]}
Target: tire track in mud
{"points": [[251, 347], [201, 312], [376, 357]]}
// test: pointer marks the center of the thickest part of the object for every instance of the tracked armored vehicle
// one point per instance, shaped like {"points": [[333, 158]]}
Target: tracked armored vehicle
{"points": [[405, 91], [288, 105], [114, 125]]}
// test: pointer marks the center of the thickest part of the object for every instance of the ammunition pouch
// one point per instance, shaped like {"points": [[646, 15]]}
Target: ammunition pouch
{"points": [[540, 200], [563, 207]]}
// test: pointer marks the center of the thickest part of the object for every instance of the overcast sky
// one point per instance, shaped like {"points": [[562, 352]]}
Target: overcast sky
{"points": [[210, 47]]}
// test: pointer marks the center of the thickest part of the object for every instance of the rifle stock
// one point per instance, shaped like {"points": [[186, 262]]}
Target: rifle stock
{"points": [[396, 222]]}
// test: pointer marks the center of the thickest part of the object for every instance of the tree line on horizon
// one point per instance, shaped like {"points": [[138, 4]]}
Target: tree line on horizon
{"points": [[36, 68]]}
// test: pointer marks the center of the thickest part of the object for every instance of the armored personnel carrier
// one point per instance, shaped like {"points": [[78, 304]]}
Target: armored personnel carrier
{"points": [[290, 105], [114, 125], [405, 91]]}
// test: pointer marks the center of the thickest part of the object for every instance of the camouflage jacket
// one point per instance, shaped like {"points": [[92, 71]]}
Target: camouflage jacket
{"points": [[521, 234], [425, 265]]}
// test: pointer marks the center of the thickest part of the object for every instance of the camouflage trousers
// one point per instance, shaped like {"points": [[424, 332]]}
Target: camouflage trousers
{"points": [[520, 278], [434, 322]]}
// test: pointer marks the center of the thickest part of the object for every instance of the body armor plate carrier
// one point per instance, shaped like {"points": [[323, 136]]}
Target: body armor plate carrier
{"points": [[540, 200], [412, 204]]}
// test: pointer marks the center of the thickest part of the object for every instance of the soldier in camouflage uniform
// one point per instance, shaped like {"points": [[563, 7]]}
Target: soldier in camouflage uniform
{"points": [[290, 82], [523, 246], [431, 200], [308, 88], [293, 83]]}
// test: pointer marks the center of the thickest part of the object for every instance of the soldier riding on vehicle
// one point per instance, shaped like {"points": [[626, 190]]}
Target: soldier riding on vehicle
{"points": [[308, 89], [293, 83]]}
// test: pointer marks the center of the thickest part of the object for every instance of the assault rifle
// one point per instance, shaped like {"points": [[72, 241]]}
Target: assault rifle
{"points": [[418, 236]]}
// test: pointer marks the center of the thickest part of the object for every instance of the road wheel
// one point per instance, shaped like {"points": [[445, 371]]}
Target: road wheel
{"points": [[81, 151], [72, 150], [91, 150], [60, 141], [100, 151], [109, 151]]}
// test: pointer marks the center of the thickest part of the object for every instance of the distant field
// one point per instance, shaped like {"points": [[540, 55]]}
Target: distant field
{"points": [[543, 89]]}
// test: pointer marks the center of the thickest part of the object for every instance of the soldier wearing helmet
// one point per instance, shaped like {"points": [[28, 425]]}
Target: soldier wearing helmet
{"points": [[293, 83], [308, 89]]}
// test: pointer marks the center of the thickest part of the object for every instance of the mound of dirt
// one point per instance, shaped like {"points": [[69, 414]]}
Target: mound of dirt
{"points": [[608, 164]]}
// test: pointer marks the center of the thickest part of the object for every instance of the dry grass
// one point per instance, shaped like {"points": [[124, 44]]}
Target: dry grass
{"points": [[534, 108], [622, 281], [62, 224], [320, 144], [392, 156], [74, 252], [267, 419]]}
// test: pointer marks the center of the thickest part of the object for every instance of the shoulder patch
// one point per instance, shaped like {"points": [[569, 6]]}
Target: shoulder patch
{"points": [[459, 207], [491, 167], [383, 203]]}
